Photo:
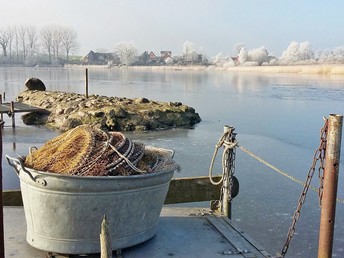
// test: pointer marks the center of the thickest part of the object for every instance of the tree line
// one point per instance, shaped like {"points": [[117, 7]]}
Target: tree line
{"points": [[28, 45]]}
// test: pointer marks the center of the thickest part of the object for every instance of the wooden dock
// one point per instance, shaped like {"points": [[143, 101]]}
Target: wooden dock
{"points": [[12, 107], [182, 232]]}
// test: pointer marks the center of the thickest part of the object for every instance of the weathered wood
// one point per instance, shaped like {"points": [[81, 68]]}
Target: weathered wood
{"points": [[192, 189], [17, 108], [12, 198], [12, 114], [105, 240], [86, 83], [182, 190]]}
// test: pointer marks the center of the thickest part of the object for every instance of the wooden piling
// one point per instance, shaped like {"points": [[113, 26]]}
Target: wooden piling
{"points": [[1, 115], [86, 82], [105, 240], [2, 243], [12, 114], [331, 173]]}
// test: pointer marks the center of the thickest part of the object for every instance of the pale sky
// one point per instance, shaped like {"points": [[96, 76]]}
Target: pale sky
{"points": [[212, 25]]}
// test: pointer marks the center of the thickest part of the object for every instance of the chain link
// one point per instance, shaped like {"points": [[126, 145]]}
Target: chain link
{"points": [[319, 155]]}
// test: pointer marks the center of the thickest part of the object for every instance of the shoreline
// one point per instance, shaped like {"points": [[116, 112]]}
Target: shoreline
{"points": [[316, 69]]}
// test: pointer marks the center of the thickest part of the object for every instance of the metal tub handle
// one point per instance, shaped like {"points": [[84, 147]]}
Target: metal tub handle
{"points": [[15, 163]]}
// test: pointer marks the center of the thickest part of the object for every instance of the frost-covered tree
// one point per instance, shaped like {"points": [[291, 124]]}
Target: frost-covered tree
{"points": [[243, 56], [237, 47], [126, 52], [188, 48], [259, 55], [297, 52], [334, 56], [220, 60]]}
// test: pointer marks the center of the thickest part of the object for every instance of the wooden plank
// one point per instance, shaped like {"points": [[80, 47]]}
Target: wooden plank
{"points": [[18, 107], [12, 198], [182, 190], [192, 189], [236, 238]]}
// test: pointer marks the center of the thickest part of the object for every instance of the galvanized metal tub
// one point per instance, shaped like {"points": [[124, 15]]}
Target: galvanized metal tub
{"points": [[64, 213]]}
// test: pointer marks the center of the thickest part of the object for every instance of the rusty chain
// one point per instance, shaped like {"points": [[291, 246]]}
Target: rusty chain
{"points": [[319, 155]]}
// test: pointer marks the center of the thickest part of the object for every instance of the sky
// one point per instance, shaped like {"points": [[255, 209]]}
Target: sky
{"points": [[212, 25]]}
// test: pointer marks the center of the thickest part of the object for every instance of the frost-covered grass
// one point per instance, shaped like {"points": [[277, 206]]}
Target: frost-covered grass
{"points": [[325, 69], [300, 69], [328, 69]]}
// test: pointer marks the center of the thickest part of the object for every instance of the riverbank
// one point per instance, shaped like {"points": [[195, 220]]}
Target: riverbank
{"points": [[323, 69]]}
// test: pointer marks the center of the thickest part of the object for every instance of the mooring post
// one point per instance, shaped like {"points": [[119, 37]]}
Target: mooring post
{"points": [[12, 113], [227, 202], [331, 173], [1, 116], [2, 243], [86, 82]]}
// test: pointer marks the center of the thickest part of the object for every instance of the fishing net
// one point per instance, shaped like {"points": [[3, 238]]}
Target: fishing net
{"points": [[87, 151]]}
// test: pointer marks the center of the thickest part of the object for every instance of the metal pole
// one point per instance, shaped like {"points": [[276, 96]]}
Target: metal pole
{"points": [[331, 173], [2, 243], [86, 82]]}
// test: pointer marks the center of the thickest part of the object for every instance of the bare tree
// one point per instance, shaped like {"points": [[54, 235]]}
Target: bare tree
{"points": [[47, 39], [22, 35], [69, 41], [32, 37], [126, 52], [4, 40], [56, 41]]}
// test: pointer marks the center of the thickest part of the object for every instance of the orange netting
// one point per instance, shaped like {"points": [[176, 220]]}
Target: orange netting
{"points": [[87, 151]]}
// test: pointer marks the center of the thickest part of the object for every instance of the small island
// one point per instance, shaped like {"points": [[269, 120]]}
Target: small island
{"points": [[64, 111]]}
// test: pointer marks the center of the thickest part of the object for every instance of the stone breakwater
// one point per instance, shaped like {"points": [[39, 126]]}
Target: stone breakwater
{"points": [[68, 110]]}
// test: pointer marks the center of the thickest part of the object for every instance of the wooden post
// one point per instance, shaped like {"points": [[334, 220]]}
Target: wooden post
{"points": [[331, 173], [12, 113], [86, 82], [4, 95], [2, 116], [105, 240], [2, 243]]}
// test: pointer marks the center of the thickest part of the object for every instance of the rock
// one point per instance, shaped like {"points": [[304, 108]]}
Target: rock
{"points": [[108, 113], [141, 100], [35, 84]]}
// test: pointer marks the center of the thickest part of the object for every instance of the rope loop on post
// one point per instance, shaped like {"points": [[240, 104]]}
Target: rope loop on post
{"points": [[227, 145]]}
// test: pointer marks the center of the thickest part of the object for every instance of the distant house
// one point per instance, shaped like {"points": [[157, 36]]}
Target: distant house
{"points": [[236, 60], [96, 58], [165, 57], [147, 58], [165, 54]]}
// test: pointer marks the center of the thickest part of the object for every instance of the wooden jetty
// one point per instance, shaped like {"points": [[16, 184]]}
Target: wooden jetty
{"points": [[12, 107]]}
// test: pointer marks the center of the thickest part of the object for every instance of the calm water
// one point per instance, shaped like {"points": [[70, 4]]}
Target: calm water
{"points": [[277, 117]]}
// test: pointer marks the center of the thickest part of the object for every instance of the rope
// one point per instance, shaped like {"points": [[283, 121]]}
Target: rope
{"points": [[127, 160], [227, 145], [281, 172]]}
